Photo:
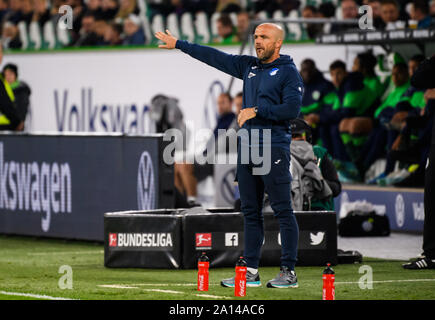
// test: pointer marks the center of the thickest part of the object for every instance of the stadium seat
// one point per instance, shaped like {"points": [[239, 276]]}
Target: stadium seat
{"points": [[157, 24], [24, 37], [278, 14], [143, 8], [262, 15], [173, 25], [146, 28], [187, 29], [35, 38], [48, 35], [233, 17], [202, 28], [339, 13], [294, 29], [213, 26]]}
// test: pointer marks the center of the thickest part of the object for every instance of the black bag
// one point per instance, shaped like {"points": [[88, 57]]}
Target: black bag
{"points": [[351, 256], [364, 224]]}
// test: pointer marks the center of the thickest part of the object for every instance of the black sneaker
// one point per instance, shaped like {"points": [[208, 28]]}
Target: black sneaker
{"points": [[422, 263], [286, 278], [252, 280]]}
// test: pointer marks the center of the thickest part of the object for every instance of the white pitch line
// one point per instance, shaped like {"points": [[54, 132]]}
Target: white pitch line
{"points": [[164, 291], [387, 281], [31, 295], [211, 296], [116, 286], [63, 252]]}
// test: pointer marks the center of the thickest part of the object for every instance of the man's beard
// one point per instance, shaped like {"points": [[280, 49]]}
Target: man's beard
{"points": [[265, 55]]}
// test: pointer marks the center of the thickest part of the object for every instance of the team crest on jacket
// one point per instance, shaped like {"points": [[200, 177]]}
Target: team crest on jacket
{"points": [[273, 71]]}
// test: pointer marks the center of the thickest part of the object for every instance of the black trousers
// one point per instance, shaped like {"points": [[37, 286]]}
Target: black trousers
{"points": [[429, 203]]}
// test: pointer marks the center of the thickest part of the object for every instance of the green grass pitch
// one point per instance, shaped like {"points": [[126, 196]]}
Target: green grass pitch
{"points": [[31, 266]]}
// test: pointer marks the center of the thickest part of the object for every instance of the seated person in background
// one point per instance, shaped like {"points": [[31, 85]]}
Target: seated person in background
{"points": [[378, 143], [349, 9], [351, 101], [420, 13], [134, 34], [391, 16], [225, 30], [243, 20], [186, 175], [313, 29], [9, 119], [354, 131], [20, 89], [318, 93], [322, 199]]}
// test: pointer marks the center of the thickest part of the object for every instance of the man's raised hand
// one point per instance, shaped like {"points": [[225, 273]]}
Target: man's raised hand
{"points": [[167, 38]]}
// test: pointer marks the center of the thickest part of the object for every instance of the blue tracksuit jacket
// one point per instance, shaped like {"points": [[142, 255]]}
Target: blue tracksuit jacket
{"points": [[275, 88]]}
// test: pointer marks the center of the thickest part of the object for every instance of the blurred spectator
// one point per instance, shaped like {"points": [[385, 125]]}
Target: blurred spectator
{"points": [[26, 11], [112, 34], [109, 9], [87, 36], [243, 20], [133, 31], [126, 8], [20, 88], [9, 119], [41, 14], [78, 7], [326, 10], [420, 12], [349, 10], [313, 29], [11, 36], [93, 7], [4, 9], [14, 14], [271, 6], [432, 9], [228, 6], [390, 14], [365, 63], [319, 93], [100, 28], [376, 11], [225, 30]]}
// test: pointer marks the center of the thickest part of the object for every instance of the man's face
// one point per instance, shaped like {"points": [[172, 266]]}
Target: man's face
{"points": [[412, 66], [238, 102], [242, 22], [308, 13], [223, 30], [337, 76], [356, 64], [389, 13], [266, 42], [376, 8], [224, 104], [10, 76], [399, 77], [129, 27], [88, 24], [307, 72], [349, 9]]}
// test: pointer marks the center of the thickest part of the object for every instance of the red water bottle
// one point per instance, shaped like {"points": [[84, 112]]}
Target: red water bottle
{"points": [[240, 279], [203, 264], [328, 283]]}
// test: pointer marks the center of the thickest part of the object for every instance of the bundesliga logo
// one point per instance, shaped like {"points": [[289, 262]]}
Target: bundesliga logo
{"points": [[140, 240], [203, 240]]}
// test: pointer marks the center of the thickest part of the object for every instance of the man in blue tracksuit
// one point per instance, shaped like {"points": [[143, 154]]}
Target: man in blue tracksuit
{"points": [[272, 96]]}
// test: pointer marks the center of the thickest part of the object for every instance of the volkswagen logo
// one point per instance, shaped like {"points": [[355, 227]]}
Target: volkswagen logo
{"points": [[145, 183], [400, 210]]}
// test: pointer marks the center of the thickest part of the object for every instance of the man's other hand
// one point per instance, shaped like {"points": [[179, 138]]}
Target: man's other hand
{"points": [[245, 115], [167, 38]]}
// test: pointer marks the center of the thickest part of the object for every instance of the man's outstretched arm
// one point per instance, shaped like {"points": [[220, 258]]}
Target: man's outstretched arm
{"points": [[234, 65]]}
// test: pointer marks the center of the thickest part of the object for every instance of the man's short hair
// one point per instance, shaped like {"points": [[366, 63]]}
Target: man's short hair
{"points": [[393, 2], [310, 7], [421, 5], [13, 67], [327, 9], [337, 64], [225, 20], [309, 62], [228, 95], [239, 94], [418, 58], [402, 67]]}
